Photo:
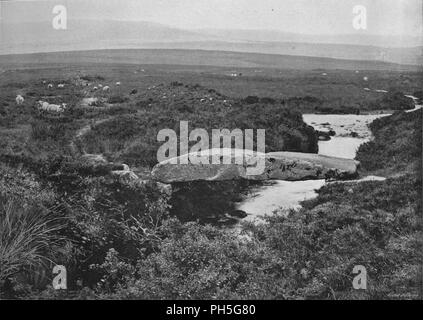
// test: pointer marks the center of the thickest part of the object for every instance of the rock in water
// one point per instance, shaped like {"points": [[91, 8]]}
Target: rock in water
{"points": [[289, 166]]}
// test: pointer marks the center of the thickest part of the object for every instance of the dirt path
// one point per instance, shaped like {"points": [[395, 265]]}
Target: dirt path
{"points": [[81, 133]]}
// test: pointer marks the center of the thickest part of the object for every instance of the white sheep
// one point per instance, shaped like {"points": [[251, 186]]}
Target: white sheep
{"points": [[19, 100], [106, 88], [42, 104], [100, 85], [50, 86], [118, 83], [61, 85], [95, 88], [45, 106]]}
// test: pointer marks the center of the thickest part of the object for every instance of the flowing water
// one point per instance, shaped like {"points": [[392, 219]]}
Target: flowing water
{"points": [[351, 132]]}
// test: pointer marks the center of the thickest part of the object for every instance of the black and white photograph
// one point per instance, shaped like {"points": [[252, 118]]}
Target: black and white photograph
{"points": [[219, 151]]}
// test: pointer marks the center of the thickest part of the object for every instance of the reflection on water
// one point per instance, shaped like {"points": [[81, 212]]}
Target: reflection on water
{"points": [[345, 125], [341, 147], [282, 194]]}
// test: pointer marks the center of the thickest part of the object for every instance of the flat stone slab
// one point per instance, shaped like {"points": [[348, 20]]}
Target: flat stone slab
{"points": [[289, 166]]}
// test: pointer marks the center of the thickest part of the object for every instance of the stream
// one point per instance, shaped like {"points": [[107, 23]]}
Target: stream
{"points": [[351, 131]]}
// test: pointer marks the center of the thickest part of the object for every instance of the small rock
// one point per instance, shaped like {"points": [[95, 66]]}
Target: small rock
{"points": [[239, 214]]}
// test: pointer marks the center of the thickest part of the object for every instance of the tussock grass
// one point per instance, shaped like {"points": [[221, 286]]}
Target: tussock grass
{"points": [[28, 235]]}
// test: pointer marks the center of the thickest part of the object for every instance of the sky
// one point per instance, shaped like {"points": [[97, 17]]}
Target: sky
{"points": [[384, 17]]}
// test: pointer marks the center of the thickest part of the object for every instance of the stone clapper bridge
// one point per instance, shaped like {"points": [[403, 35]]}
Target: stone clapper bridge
{"points": [[289, 166]]}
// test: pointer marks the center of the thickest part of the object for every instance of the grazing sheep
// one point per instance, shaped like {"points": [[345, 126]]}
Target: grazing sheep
{"points": [[44, 82], [45, 106], [90, 102], [106, 88], [19, 100], [61, 85], [366, 78], [50, 86], [95, 88], [118, 83], [42, 104]]}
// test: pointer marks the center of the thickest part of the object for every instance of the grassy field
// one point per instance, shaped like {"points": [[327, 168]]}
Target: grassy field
{"points": [[318, 90], [202, 58], [119, 240]]}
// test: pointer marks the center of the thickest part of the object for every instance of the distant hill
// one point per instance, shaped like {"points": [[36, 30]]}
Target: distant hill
{"points": [[30, 37], [358, 38], [194, 58], [410, 56]]}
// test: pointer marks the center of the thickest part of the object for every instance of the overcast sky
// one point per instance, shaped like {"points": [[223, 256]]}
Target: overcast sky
{"points": [[299, 16]]}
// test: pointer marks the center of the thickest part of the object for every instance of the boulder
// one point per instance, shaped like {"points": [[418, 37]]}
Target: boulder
{"points": [[354, 134], [323, 135], [289, 166]]}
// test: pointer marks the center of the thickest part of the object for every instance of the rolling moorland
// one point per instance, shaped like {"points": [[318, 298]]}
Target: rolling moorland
{"points": [[86, 34], [135, 239]]}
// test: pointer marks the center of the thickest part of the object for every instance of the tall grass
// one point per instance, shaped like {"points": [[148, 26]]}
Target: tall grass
{"points": [[28, 236]]}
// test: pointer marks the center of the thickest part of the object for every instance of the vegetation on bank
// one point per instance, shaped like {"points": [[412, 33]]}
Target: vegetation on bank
{"points": [[397, 147]]}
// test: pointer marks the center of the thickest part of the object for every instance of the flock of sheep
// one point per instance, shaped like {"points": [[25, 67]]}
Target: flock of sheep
{"points": [[45, 106], [42, 105]]}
